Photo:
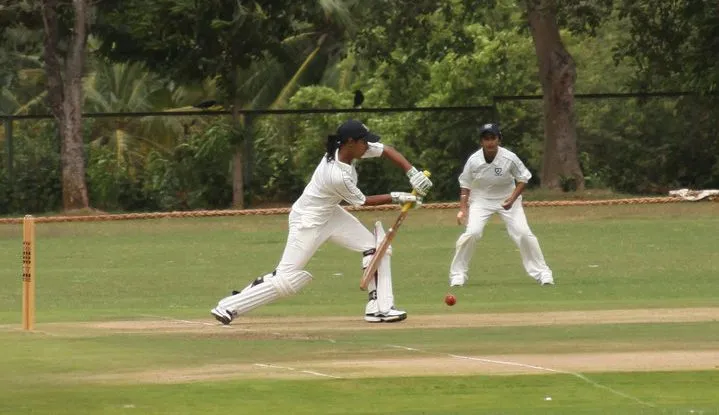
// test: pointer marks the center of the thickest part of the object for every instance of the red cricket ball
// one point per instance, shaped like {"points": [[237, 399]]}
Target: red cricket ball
{"points": [[450, 299]]}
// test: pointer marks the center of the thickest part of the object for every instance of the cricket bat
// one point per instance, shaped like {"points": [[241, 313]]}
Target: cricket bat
{"points": [[382, 248]]}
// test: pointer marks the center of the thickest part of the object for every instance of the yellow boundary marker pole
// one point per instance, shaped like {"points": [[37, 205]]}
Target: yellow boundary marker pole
{"points": [[28, 272]]}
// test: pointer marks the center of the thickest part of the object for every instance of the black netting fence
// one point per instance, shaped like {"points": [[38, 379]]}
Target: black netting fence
{"points": [[193, 160]]}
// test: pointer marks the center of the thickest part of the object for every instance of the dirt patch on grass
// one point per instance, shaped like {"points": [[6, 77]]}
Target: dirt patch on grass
{"points": [[269, 325], [444, 365], [407, 361]]}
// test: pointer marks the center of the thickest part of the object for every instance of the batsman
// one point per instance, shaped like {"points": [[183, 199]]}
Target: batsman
{"points": [[317, 217]]}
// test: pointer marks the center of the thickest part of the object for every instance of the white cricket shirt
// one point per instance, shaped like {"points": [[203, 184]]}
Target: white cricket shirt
{"points": [[332, 182], [495, 180]]}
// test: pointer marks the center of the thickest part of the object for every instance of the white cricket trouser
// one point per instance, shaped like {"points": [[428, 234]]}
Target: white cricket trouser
{"points": [[480, 211], [302, 242]]}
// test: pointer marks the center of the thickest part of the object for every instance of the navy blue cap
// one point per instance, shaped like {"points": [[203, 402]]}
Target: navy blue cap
{"points": [[357, 130], [490, 129]]}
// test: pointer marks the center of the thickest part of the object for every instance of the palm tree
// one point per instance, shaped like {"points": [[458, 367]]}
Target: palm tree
{"points": [[26, 96], [22, 78], [130, 87], [121, 88], [308, 58]]}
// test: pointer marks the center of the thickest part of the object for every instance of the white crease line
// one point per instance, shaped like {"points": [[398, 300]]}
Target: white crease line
{"points": [[309, 372], [194, 322], [616, 392], [320, 374], [178, 320], [273, 366], [546, 369], [222, 326], [225, 326], [403, 347], [502, 362]]}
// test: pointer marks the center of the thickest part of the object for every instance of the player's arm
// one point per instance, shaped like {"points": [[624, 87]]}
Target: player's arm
{"points": [[465, 184], [417, 179], [463, 205], [347, 189], [515, 194], [394, 197], [522, 175], [396, 157], [375, 200]]}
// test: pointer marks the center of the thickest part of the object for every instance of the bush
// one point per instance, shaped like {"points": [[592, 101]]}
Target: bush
{"points": [[36, 183], [196, 175]]}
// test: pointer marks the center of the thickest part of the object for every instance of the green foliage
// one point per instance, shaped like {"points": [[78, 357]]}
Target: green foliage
{"points": [[583, 16], [196, 175], [113, 186], [197, 39], [409, 31], [673, 42], [402, 39], [20, 39], [405, 53], [193, 175], [35, 187], [442, 141], [21, 76], [288, 148], [652, 146]]}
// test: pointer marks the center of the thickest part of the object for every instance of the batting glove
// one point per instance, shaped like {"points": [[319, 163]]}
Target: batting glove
{"points": [[420, 183], [403, 197]]}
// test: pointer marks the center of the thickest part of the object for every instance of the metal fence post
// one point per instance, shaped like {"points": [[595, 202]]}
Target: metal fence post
{"points": [[495, 109], [249, 150], [8, 121]]}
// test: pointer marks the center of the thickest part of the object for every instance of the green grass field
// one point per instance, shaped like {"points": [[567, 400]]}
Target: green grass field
{"points": [[632, 326]]}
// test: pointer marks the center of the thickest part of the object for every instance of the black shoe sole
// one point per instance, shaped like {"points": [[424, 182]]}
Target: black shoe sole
{"points": [[221, 319], [397, 320]]}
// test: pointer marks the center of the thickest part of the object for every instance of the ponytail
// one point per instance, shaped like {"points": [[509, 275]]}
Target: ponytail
{"points": [[333, 143]]}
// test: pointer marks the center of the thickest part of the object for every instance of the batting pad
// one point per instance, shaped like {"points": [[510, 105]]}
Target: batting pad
{"points": [[383, 282], [274, 287], [258, 280]]}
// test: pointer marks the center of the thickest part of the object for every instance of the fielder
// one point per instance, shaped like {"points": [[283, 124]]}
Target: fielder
{"points": [[317, 217], [492, 182]]}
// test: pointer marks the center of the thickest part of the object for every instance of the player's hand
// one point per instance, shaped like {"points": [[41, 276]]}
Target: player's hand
{"points": [[507, 204], [403, 197], [420, 183], [461, 217]]}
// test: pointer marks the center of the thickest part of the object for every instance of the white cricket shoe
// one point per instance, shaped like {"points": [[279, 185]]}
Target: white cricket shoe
{"points": [[546, 280], [457, 281], [373, 315], [222, 315]]}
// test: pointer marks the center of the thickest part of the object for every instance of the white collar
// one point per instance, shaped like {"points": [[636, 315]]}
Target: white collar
{"points": [[499, 151], [342, 165]]}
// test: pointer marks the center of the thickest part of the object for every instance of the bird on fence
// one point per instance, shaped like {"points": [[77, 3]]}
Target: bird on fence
{"points": [[358, 100]]}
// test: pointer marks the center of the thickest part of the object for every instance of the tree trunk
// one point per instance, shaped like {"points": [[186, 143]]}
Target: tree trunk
{"points": [[65, 97], [557, 74]]}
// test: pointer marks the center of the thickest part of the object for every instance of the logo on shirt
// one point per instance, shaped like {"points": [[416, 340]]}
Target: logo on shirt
{"points": [[497, 171]]}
